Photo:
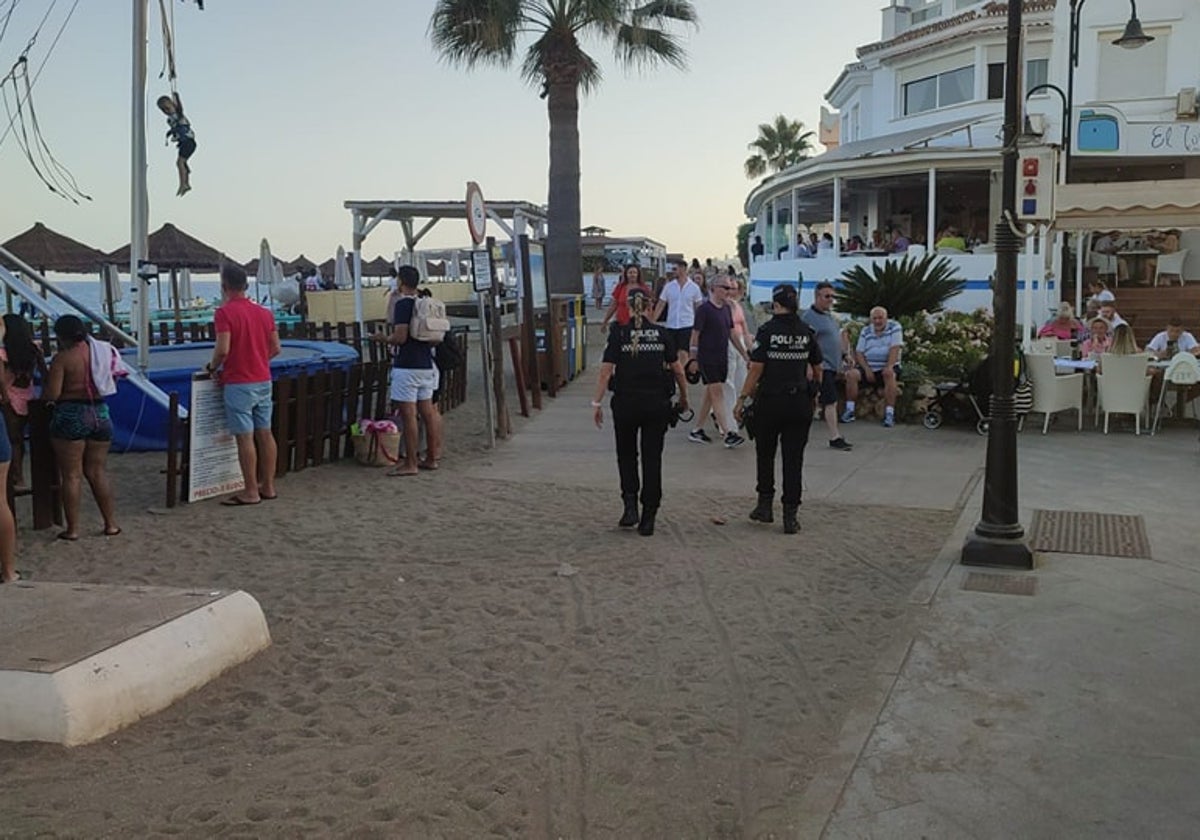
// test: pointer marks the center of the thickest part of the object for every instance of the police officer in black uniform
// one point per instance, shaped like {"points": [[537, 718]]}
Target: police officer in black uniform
{"points": [[641, 363], [784, 363]]}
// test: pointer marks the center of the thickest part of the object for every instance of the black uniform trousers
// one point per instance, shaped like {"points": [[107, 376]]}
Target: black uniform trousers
{"points": [[646, 413], [782, 420]]}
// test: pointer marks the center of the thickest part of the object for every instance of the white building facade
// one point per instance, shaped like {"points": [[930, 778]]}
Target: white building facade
{"points": [[921, 112]]}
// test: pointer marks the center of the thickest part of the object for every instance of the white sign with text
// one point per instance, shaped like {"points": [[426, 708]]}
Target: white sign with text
{"points": [[213, 468], [1103, 130]]}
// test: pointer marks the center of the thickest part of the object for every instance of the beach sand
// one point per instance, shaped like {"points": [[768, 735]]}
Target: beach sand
{"points": [[458, 656]]}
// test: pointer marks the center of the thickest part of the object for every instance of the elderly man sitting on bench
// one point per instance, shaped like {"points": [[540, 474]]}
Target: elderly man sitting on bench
{"points": [[877, 357]]}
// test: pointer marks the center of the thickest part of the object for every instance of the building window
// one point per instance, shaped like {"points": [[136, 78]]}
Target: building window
{"points": [[995, 88], [940, 91], [920, 95], [1037, 72]]}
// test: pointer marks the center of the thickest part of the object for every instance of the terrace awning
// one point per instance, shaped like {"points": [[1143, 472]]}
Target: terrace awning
{"points": [[1128, 205]]}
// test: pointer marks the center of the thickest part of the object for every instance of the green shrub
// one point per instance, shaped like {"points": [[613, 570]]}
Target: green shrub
{"points": [[904, 287], [945, 345]]}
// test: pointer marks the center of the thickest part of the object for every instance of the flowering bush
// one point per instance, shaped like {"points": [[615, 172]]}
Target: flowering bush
{"points": [[945, 345]]}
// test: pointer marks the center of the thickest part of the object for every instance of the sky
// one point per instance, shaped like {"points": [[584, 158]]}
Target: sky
{"points": [[300, 105]]}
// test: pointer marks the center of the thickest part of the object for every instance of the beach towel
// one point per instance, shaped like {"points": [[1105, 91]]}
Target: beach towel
{"points": [[106, 366]]}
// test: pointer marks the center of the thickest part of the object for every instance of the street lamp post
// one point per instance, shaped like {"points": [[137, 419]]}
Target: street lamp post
{"points": [[998, 539]]}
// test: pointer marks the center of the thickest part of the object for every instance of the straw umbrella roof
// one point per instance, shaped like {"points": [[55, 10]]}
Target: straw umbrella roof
{"points": [[172, 248], [48, 250], [302, 264], [378, 267]]}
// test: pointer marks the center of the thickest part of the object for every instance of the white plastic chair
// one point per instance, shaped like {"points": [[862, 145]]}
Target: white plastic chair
{"points": [[1170, 264], [1124, 387], [1052, 392], [1182, 372]]}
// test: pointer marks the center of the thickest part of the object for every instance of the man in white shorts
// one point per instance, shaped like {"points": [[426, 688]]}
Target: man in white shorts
{"points": [[414, 379]]}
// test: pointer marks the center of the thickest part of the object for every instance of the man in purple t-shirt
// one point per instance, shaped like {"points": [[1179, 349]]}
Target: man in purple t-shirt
{"points": [[710, 350]]}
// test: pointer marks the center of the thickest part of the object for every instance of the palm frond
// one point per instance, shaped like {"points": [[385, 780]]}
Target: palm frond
{"points": [[476, 32], [903, 287]]}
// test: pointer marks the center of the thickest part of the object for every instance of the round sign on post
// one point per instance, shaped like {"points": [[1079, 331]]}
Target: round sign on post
{"points": [[476, 213]]}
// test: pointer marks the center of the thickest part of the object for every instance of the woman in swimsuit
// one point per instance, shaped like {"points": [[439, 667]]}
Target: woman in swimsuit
{"points": [[80, 429], [8, 526]]}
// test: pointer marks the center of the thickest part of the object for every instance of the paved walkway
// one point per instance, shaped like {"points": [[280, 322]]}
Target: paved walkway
{"points": [[1071, 713]]}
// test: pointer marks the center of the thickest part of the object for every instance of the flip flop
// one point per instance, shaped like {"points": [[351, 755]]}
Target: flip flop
{"points": [[238, 501], [63, 535], [267, 498], [107, 533], [20, 577], [395, 474], [427, 465]]}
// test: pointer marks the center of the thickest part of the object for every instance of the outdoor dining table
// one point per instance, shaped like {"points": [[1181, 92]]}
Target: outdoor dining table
{"points": [[1066, 365], [1136, 261]]}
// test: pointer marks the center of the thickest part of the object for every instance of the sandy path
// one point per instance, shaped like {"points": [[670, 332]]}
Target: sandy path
{"points": [[434, 675]]}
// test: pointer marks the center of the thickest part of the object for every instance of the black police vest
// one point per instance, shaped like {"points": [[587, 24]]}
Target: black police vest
{"points": [[641, 359], [787, 344]]}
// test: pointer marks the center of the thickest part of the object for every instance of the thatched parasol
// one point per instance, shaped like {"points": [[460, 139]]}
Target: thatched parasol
{"points": [[172, 248], [48, 250], [302, 264], [378, 267]]}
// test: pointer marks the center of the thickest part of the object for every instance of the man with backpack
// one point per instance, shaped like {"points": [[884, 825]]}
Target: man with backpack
{"points": [[415, 332]]}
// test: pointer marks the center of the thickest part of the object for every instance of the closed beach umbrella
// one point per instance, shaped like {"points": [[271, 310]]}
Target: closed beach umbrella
{"points": [[341, 276]]}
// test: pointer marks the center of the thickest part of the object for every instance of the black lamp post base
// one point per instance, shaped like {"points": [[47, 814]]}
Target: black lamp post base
{"points": [[990, 551]]}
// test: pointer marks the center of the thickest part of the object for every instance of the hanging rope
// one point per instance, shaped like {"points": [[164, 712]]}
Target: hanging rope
{"points": [[168, 37], [22, 115]]}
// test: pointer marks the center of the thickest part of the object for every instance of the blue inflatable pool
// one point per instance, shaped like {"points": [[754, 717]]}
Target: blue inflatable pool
{"points": [[140, 424]]}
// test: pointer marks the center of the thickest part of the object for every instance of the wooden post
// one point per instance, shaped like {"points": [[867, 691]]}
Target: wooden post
{"points": [[43, 468], [301, 421], [173, 489], [283, 428], [320, 414], [514, 351]]}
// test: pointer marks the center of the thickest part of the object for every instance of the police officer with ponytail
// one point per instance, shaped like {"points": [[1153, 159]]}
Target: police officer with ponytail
{"points": [[641, 368], [785, 366]]}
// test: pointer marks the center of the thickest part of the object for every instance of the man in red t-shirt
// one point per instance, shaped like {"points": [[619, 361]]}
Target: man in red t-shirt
{"points": [[246, 342]]}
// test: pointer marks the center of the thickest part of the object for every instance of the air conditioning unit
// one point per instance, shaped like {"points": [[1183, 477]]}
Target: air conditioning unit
{"points": [[1186, 104]]}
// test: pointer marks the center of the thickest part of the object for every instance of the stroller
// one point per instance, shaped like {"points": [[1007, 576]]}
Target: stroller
{"points": [[965, 401]]}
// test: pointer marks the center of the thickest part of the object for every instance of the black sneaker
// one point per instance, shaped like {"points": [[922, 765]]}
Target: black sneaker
{"points": [[840, 443], [733, 440], [699, 436]]}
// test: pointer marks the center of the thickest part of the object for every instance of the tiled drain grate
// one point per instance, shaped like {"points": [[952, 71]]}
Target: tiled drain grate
{"points": [[1076, 532], [1000, 584]]}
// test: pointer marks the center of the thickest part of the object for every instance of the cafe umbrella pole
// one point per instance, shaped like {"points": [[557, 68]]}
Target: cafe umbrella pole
{"points": [[998, 538]]}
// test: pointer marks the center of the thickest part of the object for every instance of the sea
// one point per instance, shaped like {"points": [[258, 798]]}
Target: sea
{"points": [[89, 292]]}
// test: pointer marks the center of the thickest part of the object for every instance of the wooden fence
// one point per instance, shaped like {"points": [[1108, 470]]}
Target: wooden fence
{"points": [[313, 414], [312, 419]]}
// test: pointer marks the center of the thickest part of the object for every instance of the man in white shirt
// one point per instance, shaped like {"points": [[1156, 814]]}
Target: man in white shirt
{"points": [[877, 358], [679, 296], [1108, 311], [1174, 339]]}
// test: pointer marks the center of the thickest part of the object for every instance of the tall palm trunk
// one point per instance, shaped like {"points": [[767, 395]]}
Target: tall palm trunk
{"points": [[563, 255]]}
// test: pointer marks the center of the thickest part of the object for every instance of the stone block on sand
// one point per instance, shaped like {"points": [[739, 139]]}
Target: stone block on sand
{"points": [[79, 661]]}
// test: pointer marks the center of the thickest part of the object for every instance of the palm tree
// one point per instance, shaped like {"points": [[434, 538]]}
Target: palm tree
{"points": [[480, 32], [779, 145]]}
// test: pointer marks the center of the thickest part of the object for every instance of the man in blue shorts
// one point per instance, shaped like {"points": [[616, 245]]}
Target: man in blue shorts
{"points": [[878, 364], [247, 340]]}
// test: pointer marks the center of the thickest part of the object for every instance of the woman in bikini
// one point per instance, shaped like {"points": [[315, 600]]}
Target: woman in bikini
{"points": [[80, 429], [8, 527]]}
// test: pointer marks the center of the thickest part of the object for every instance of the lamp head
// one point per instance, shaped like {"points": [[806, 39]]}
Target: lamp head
{"points": [[1133, 37]]}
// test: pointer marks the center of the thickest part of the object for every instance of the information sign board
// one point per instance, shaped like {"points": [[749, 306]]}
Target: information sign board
{"points": [[214, 468]]}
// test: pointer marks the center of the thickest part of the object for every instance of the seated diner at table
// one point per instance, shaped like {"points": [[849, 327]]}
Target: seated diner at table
{"points": [[1123, 343], [1098, 340], [1064, 326], [1174, 339], [1162, 241], [950, 239], [1108, 311]]}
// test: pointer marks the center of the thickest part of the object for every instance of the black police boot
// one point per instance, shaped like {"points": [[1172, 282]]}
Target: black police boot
{"points": [[762, 511], [646, 526], [630, 517], [790, 524]]}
